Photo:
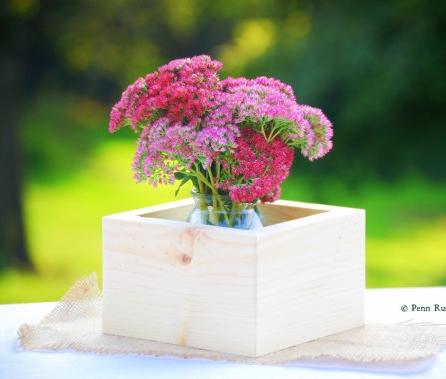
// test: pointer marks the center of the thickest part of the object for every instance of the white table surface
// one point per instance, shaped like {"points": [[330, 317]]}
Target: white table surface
{"points": [[382, 305]]}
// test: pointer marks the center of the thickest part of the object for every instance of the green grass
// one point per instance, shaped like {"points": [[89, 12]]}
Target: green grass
{"points": [[406, 224], [415, 257]]}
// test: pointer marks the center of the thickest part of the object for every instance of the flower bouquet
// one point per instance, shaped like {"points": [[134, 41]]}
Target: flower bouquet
{"points": [[234, 139]]}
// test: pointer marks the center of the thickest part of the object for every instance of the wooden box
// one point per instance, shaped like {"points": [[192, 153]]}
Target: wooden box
{"points": [[299, 278]]}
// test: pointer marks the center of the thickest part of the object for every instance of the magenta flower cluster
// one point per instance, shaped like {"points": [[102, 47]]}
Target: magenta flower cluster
{"points": [[235, 136]]}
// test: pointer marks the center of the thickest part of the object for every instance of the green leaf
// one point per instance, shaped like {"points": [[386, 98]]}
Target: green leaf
{"points": [[179, 175], [184, 179]]}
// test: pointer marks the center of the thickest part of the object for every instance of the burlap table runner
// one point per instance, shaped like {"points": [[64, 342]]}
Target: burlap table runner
{"points": [[76, 324]]}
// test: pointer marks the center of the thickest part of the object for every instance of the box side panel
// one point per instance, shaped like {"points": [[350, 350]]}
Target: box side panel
{"points": [[179, 284], [311, 281]]}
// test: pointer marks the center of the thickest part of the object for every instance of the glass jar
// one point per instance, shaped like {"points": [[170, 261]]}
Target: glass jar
{"points": [[220, 210]]}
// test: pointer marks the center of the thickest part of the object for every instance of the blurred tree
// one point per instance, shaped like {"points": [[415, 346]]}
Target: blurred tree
{"points": [[13, 248], [121, 40], [13, 74], [378, 70]]}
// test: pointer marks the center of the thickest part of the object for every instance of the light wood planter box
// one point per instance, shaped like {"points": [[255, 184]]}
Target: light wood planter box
{"points": [[299, 278]]}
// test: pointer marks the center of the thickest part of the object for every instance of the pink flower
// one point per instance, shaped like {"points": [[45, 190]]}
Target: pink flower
{"points": [[236, 136]]}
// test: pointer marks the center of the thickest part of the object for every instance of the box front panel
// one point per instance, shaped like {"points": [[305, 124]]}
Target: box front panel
{"points": [[179, 284]]}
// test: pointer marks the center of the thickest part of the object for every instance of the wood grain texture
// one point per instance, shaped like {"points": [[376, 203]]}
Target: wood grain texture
{"points": [[242, 292]]}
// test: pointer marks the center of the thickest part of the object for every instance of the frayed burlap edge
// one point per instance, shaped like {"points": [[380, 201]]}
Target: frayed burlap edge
{"points": [[76, 324]]}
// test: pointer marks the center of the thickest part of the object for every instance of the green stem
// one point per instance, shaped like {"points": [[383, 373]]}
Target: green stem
{"points": [[217, 203]]}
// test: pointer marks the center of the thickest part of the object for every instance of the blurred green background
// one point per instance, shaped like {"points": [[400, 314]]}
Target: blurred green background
{"points": [[376, 68]]}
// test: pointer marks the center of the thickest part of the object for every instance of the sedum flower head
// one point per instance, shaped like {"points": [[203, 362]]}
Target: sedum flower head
{"points": [[235, 136]]}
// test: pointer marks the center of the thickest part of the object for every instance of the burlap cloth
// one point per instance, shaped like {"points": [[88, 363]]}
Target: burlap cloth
{"points": [[75, 324]]}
